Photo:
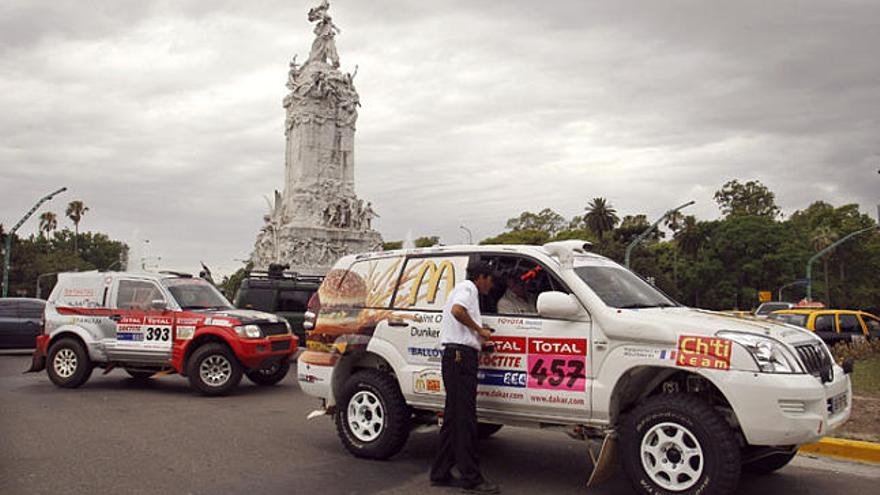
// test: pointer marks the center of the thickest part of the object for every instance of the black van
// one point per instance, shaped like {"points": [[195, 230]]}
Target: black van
{"points": [[283, 293]]}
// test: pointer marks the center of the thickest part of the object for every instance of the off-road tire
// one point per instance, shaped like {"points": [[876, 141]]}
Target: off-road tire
{"points": [[270, 375], [767, 465], [396, 421], [139, 375], [202, 355], [721, 464], [72, 349], [486, 430]]}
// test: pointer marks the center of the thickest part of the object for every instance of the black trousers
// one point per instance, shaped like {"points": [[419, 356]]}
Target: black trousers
{"points": [[458, 436]]}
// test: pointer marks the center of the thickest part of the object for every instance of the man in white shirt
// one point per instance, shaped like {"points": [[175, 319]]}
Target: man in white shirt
{"points": [[516, 300], [462, 336]]}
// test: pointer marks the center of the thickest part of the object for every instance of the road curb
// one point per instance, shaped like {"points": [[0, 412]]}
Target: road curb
{"points": [[840, 448]]}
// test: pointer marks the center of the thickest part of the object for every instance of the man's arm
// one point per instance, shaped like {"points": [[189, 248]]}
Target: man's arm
{"points": [[460, 313]]}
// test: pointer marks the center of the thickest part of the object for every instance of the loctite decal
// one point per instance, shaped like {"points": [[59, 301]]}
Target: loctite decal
{"points": [[703, 352]]}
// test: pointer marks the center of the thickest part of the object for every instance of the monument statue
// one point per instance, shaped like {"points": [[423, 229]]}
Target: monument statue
{"points": [[318, 217]]}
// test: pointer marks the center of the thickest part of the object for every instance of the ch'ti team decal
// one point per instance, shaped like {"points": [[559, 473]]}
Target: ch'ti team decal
{"points": [[693, 351]]}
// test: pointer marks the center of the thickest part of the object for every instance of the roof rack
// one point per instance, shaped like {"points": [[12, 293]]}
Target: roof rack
{"points": [[279, 275], [176, 274]]}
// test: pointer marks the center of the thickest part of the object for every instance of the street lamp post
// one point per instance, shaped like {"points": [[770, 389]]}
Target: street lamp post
{"points": [[469, 233], [824, 252], [801, 281], [635, 242], [7, 256]]}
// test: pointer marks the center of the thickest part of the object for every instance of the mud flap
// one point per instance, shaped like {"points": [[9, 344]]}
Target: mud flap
{"points": [[603, 461], [38, 363]]}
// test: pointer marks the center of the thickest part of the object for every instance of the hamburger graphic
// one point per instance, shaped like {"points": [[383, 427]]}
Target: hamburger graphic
{"points": [[342, 296]]}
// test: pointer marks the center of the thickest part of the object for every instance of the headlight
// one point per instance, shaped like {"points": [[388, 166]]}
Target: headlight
{"points": [[770, 355], [249, 331]]}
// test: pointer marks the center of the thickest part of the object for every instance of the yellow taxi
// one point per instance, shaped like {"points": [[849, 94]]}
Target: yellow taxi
{"points": [[832, 325]]}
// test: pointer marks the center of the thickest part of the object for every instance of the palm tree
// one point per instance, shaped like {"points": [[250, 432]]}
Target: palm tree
{"points": [[674, 220], [48, 222], [690, 237], [75, 211], [600, 217], [822, 237]]}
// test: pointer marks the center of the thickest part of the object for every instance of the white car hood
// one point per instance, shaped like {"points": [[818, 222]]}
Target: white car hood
{"points": [[667, 324]]}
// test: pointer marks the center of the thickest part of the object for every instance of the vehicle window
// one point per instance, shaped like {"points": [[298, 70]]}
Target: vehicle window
{"points": [[195, 293], [791, 319], [137, 294], [768, 308], [824, 323], [873, 325], [620, 288], [7, 308], [260, 299], [295, 301], [518, 282], [426, 282], [31, 309], [849, 324]]}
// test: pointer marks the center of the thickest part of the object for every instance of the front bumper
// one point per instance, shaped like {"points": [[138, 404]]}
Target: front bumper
{"points": [[776, 409], [258, 353]]}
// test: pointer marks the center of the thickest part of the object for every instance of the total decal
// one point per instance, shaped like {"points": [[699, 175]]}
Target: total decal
{"points": [[535, 363], [147, 332]]}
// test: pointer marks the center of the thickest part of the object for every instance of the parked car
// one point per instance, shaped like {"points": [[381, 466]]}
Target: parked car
{"points": [[689, 396], [284, 294], [833, 325], [21, 320], [148, 322], [766, 308]]}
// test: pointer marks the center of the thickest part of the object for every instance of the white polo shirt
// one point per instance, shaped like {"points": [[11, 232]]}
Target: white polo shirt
{"points": [[453, 331]]}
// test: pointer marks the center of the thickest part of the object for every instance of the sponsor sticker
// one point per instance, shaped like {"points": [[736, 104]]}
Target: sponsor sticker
{"points": [[567, 347], [498, 360], [428, 382], [703, 352], [509, 345], [557, 364], [649, 353], [430, 333], [502, 378], [431, 353], [520, 323]]}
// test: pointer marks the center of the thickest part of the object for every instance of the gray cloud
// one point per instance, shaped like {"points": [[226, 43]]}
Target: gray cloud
{"points": [[165, 117]]}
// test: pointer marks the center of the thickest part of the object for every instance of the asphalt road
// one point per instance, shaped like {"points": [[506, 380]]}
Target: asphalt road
{"points": [[115, 436]]}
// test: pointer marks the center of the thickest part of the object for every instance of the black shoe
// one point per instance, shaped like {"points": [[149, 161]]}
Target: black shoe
{"points": [[483, 487], [450, 482]]}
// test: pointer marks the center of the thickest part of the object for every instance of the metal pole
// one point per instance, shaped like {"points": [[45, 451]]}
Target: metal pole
{"points": [[823, 252], [470, 235], [635, 242], [7, 256]]}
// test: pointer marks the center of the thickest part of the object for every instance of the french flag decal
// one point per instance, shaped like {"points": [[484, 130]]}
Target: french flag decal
{"points": [[667, 355]]}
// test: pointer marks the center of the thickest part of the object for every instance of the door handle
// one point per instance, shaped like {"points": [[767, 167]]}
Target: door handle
{"points": [[115, 317], [397, 323]]}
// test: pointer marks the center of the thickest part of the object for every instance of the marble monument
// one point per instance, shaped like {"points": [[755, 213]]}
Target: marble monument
{"points": [[318, 218]]}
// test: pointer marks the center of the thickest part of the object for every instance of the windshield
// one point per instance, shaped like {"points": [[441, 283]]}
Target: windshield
{"points": [[195, 293], [620, 288]]}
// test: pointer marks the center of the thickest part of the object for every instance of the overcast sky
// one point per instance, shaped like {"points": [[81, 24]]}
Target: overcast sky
{"points": [[165, 118]]}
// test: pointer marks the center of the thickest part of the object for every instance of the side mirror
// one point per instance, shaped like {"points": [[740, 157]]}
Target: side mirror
{"points": [[158, 305], [558, 305]]}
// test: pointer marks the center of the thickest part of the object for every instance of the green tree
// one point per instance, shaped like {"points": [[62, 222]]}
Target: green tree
{"points": [[531, 237], [752, 198], [75, 211], [546, 220], [426, 241], [600, 217], [48, 222], [392, 245], [690, 237]]}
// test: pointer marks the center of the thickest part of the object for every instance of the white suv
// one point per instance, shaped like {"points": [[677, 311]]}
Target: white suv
{"points": [[688, 396]]}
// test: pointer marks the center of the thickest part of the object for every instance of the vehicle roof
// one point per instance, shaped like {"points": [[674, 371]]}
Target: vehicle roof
{"points": [[23, 299], [144, 274], [463, 248]]}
